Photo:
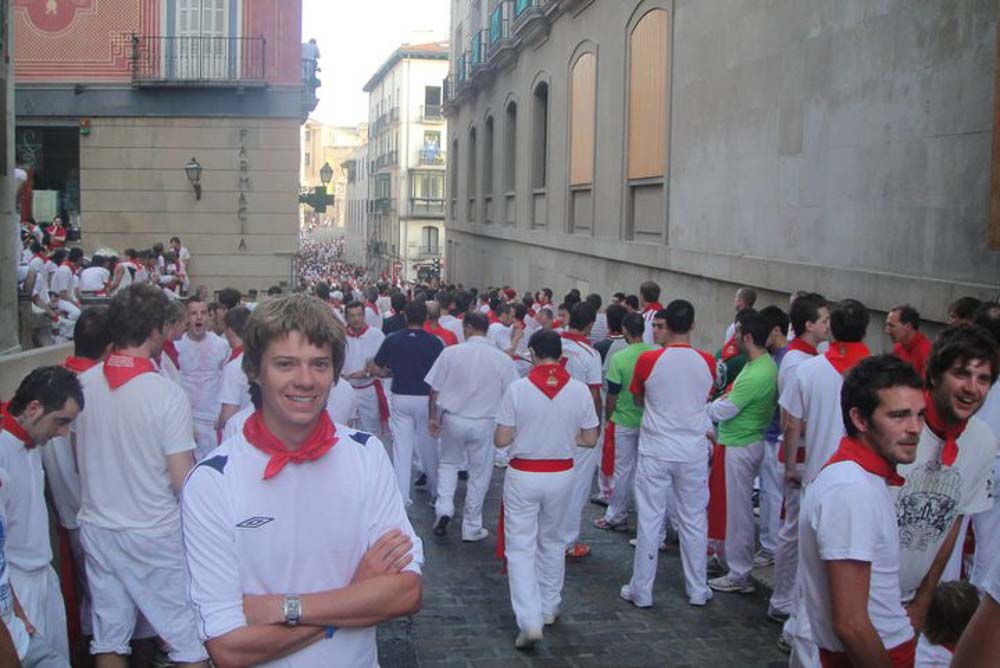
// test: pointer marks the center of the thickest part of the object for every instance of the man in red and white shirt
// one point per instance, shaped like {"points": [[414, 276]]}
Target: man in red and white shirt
{"points": [[902, 324], [849, 537], [254, 504], [234, 390], [467, 382], [134, 449], [672, 384], [45, 404], [203, 354], [545, 419], [584, 364], [433, 325], [363, 343], [649, 305]]}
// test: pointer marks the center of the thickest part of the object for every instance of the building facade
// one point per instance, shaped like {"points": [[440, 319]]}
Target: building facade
{"points": [[838, 147], [356, 230], [114, 98], [324, 144], [407, 162]]}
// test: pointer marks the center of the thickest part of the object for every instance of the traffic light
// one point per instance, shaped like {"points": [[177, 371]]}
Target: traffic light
{"points": [[437, 267]]}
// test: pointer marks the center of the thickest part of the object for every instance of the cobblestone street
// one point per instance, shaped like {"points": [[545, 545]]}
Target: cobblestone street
{"points": [[467, 619]]}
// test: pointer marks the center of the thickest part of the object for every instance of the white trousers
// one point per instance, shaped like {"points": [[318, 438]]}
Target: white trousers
{"points": [[465, 440], [623, 482], [742, 466], [367, 416], [585, 462], [205, 438], [534, 510], [786, 556], [686, 484], [42, 601], [409, 431], [771, 494], [797, 629]]}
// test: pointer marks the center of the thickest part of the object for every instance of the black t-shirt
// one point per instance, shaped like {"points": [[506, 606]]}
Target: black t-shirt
{"points": [[393, 323], [410, 354]]}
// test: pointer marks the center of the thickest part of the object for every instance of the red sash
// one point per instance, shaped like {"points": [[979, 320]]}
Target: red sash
{"points": [[608, 451], [902, 656], [717, 495], [947, 433], [237, 351], [530, 466], [383, 405]]}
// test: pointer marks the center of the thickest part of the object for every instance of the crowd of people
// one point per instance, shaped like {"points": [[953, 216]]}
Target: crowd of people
{"points": [[232, 479]]}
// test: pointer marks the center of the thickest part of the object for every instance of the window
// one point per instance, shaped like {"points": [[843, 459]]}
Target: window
{"points": [[510, 147], [432, 102], [429, 240], [582, 126], [453, 184], [308, 159], [540, 123], [308, 134], [471, 170], [488, 157]]}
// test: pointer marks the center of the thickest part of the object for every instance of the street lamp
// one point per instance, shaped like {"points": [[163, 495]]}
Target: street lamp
{"points": [[326, 173], [193, 171]]}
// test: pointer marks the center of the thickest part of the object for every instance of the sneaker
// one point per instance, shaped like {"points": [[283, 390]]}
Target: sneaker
{"points": [[604, 525], [635, 541], [728, 583], [762, 558], [475, 537], [715, 567], [625, 593], [421, 480], [700, 601], [441, 526], [776, 615], [550, 618], [527, 639], [784, 644], [578, 551], [599, 501]]}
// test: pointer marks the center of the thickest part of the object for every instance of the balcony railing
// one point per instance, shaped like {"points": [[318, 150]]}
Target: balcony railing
{"points": [[521, 6], [383, 205], [430, 112], [422, 206], [424, 251], [460, 65], [498, 25], [448, 88], [431, 156], [198, 60], [476, 50]]}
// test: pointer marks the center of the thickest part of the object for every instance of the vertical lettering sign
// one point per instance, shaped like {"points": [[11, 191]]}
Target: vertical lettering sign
{"points": [[244, 185]]}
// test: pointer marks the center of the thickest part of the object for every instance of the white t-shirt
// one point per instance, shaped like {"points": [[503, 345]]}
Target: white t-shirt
{"points": [[40, 265], [373, 318], [470, 378], [201, 365], [992, 584], [790, 361], [123, 438], [675, 414], [14, 624], [546, 428], [341, 407], [94, 279], [64, 480], [243, 534], [990, 411], [170, 371], [63, 279], [454, 325], [582, 362], [28, 545], [647, 332], [813, 395], [359, 350], [235, 388], [934, 495], [499, 335], [848, 514], [599, 331]]}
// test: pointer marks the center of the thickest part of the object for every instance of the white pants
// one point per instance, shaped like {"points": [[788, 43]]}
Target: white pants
{"points": [[626, 444], [133, 571], [585, 462], [797, 629], [771, 484], [742, 466], [205, 438], [534, 510], [786, 556], [42, 601], [656, 481], [81, 575], [367, 415], [409, 430], [465, 439]]}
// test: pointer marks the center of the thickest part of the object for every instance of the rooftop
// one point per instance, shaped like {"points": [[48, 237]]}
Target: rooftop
{"points": [[426, 51]]}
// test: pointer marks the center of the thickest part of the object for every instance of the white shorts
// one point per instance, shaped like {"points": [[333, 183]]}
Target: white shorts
{"points": [[133, 571]]}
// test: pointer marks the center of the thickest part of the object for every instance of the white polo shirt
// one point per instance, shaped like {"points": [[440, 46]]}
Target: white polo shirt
{"points": [[94, 279], [813, 395], [546, 428], [304, 530], [201, 365], [235, 388], [340, 406], [676, 381], [499, 335], [123, 439], [40, 265], [935, 495], [63, 279], [470, 378], [789, 363], [359, 350], [28, 546], [582, 362], [454, 325], [848, 514]]}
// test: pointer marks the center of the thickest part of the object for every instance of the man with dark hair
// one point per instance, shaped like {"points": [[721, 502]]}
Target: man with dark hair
{"points": [[234, 388], [64, 279], [599, 331], [632, 304], [743, 415], [963, 310], [671, 385], [216, 318], [908, 344], [255, 504], [952, 474], [458, 306], [202, 354], [363, 342], [545, 418], [649, 302], [408, 355], [615, 340], [850, 545], [771, 470], [45, 404], [397, 320], [229, 297]]}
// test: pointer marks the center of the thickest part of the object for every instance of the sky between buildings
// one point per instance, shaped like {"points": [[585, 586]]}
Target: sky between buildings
{"points": [[355, 37]]}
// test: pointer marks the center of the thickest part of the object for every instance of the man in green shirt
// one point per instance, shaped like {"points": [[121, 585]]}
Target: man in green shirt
{"points": [[743, 416], [623, 421]]}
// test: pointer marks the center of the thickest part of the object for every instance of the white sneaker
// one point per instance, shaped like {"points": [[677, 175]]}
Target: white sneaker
{"points": [[626, 595], [762, 558], [476, 537], [527, 639], [728, 583], [700, 601], [635, 541]]}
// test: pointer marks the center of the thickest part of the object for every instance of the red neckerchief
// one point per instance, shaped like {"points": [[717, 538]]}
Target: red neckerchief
{"points": [[322, 438], [237, 351], [852, 450], [576, 336], [549, 378], [803, 346], [947, 433], [730, 349], [844, 356], [42, 258], [11, 425], [120, 369], [171, 350], [653, 307], [350, 332], [78, 364]]}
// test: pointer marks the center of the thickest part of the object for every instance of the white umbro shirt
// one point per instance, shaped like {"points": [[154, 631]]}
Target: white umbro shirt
{"points": [[358, 351], [201, 365], [340, 406], [470, 378], [304, 530], [28, 545], [123, 438], [235, 389], [546, 428], [813, 395], [848, 514]]}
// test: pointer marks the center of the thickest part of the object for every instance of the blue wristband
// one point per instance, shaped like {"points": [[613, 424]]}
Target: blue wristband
{"points": [[329, 631]]}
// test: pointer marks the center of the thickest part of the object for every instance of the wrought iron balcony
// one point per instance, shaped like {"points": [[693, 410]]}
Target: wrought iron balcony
{"points": [[383, 205], [422, 206], [431, 113], [476, 50], [462, 66], [197, 60]]}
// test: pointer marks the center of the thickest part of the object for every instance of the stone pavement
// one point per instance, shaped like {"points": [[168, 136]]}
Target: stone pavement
{"points": [[467, 620]]}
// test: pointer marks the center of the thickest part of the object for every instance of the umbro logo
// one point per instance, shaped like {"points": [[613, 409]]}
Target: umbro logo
{"points": [[254, 522]]}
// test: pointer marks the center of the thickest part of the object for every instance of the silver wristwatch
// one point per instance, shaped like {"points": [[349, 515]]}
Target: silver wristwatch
{"points": [[292, 609]]}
